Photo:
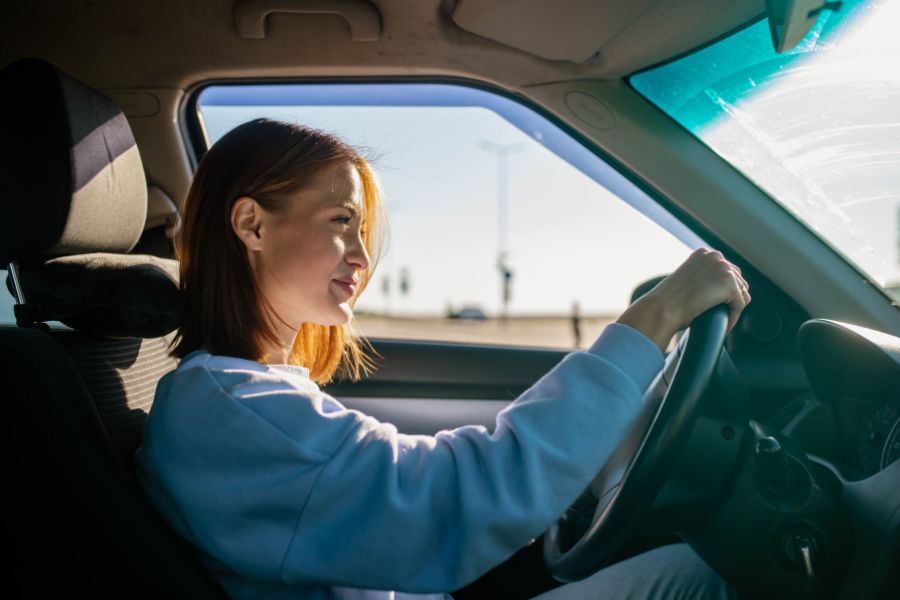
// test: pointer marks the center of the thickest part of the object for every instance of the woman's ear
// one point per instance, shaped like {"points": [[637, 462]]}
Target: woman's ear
{"points": [[246, 219]]}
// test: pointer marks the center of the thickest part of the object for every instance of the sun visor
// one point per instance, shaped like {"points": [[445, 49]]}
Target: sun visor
{"points": [[615, 37]]}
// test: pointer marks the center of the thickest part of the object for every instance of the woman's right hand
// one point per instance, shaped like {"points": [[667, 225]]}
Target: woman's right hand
{"points": [[702, 281]]}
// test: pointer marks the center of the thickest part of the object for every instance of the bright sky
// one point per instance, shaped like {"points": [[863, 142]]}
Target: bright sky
{"points": [[569, 239]]}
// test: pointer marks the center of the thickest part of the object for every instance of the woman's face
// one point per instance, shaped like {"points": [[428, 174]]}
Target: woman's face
{"points": [[311, 255]]}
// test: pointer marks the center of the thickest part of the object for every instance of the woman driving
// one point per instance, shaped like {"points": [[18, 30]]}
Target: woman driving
{"points": [[288, 494]]}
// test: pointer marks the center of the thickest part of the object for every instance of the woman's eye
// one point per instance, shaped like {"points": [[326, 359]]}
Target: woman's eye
{"points": [[343, 219]]}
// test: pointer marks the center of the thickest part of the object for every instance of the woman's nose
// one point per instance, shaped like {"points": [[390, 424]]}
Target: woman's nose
{"points": [[357, 254]]}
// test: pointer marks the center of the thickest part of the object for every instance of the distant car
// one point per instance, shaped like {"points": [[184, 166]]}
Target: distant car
{"points": [[469, 312]]}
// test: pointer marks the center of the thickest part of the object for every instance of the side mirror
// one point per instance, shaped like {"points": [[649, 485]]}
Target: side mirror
{"points": [[791, 20]]}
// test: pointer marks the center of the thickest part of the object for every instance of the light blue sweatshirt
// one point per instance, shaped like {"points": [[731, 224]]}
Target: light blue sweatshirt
{"points": [[288, 494]]}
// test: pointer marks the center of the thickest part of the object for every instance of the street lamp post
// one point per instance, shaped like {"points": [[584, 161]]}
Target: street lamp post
{"points": [[503, 152]]}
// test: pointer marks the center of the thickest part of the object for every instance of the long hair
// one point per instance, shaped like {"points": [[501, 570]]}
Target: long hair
{"points": [[269, 161]]}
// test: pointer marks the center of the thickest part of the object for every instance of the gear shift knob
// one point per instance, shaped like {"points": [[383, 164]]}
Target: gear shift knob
{"points": [[772, 465]]}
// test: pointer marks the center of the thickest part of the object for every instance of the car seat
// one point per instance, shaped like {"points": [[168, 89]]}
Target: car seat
{"points": [[73, 205]]}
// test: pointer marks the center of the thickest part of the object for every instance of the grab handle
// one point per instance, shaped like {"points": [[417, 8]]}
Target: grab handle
{"points": [[363, 18]]}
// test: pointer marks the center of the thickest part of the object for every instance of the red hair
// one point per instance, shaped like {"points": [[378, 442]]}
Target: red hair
{"points": [[269, 161]]}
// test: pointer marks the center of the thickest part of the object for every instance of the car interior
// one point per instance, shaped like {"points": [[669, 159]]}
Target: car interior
{"points": [[771, 451]]}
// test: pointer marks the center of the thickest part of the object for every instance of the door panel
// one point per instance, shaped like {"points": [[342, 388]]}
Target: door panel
{"points": [[424, 387]]}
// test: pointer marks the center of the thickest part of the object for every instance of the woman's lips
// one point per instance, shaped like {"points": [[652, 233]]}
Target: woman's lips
{"points": [[350, 289]]}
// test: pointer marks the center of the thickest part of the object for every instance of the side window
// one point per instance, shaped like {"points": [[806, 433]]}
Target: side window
{"points": [[504, 229], [8, 301], [7, 316]]}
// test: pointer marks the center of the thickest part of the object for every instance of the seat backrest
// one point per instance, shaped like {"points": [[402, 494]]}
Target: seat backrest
{"points": [[82, 524], [77, 399], [120, 376]]}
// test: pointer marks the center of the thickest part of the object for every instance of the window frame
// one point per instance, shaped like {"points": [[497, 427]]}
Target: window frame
{"points": [[192, 126], [194, 137]]}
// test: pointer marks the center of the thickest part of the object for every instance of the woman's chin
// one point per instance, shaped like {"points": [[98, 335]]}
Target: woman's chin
{"points": [[342, 316]]}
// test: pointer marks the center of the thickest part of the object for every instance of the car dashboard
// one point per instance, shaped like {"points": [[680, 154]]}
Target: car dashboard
{"points": [[855, 375], [811, 509]]}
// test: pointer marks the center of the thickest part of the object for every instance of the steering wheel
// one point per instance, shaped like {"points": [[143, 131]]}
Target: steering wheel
{"points": [[594, 528]]}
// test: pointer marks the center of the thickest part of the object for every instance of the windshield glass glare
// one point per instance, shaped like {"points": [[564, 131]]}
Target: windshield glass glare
{"points": [[818, 127]]}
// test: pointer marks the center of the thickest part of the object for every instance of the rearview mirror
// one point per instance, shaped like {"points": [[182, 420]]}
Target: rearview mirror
{"points": [[791, 20]]}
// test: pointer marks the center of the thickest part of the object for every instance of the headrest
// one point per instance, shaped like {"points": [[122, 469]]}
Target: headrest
{"points": [[118, 295], [72, 174]]}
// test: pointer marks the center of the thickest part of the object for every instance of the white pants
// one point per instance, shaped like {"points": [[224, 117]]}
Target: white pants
{"points": [[666, 573]]}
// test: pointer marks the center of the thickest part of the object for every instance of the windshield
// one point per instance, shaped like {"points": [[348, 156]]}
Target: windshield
{"points": [[817, 128]]}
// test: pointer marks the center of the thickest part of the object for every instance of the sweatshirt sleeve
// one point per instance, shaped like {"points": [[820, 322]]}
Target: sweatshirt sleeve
{"points": [[352, 502]]}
